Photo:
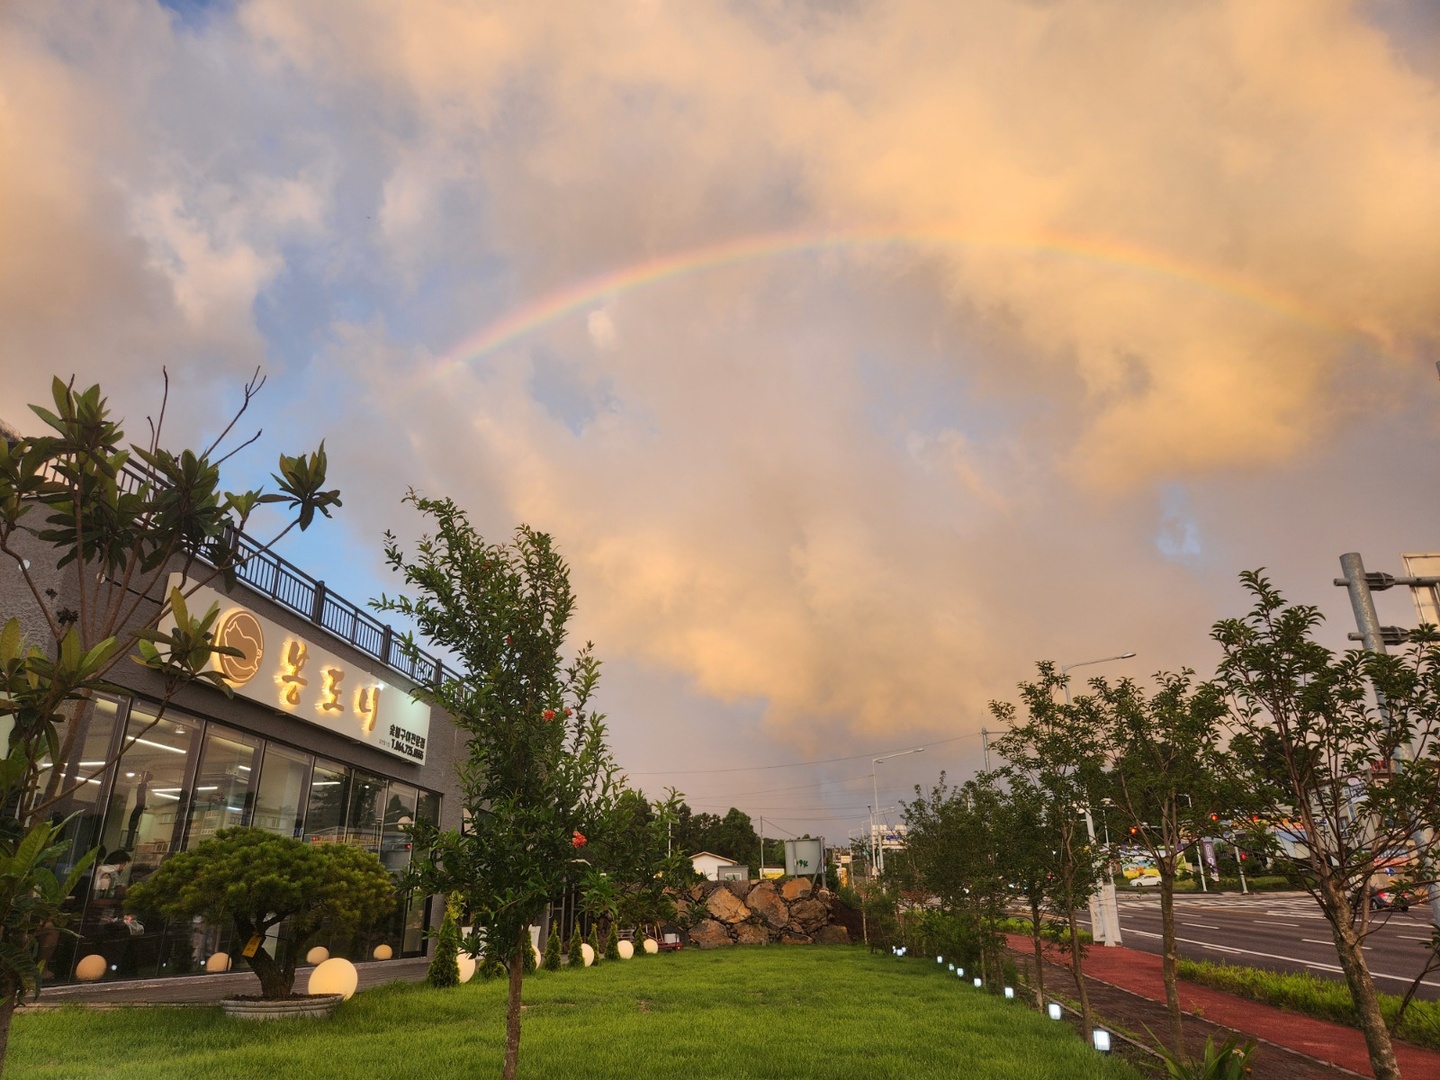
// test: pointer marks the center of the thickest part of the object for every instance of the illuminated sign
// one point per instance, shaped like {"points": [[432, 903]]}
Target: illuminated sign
{"points": [[293, 675]]}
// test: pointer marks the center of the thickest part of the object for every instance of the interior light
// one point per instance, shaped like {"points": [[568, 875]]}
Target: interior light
{"points": [[161, 745], [129, 776], [1101, 1038]]}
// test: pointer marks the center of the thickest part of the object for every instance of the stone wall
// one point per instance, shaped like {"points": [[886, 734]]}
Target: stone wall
{"points": [[790, 912]]}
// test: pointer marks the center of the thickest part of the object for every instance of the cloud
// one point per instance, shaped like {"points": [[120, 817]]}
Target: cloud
{"points": [[1081, 258]]}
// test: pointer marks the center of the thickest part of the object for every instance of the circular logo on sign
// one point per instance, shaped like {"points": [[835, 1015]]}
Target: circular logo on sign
{"points": [[240, 630]]}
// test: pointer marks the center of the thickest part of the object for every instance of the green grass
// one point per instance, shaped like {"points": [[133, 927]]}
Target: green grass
{"points": [[771, 1012], [1325, 999]]}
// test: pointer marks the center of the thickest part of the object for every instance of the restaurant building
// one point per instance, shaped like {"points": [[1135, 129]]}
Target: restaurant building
{"points": [[318, 739]]}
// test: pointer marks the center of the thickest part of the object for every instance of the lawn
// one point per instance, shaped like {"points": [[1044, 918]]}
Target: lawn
{"points": [[763, 1012]]}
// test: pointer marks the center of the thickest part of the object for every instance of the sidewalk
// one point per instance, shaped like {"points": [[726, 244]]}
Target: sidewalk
{"points": [[1140, 973], [211, 989]]}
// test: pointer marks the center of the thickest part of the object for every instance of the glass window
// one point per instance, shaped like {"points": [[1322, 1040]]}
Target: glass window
{"points": [[394, 840], [367, 801], [325, 808], [148, 792], [280, 798], [222, 792], [427, 808]]}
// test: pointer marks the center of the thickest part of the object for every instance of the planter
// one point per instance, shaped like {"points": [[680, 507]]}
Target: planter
{"points": [[312, 1006]]}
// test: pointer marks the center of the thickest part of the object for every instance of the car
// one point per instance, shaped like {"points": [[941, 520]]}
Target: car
{"points": [[1142, 881], [1389, 900]]}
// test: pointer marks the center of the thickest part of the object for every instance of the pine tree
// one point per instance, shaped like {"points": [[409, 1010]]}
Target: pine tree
{"points": [[444, 969], [527, 957], [612, 944], [577, 957], [594, 942], [552, 948]]}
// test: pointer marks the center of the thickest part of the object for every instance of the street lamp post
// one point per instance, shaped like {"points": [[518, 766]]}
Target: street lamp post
{"points": [[1104, 915], [877, 862]]}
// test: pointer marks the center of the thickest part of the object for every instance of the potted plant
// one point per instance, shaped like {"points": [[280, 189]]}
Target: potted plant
{"points": [[258, 880]]}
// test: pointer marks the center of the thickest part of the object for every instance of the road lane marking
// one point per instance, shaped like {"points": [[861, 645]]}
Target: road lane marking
{"points": [[1200, 926]]}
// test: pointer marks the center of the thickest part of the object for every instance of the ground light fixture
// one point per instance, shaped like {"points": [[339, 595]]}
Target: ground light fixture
{"points": [[978, 983], [941, 960], [960, 971], [952, 967], [1101, 1038], [1010, 992], [1054, 1010]]}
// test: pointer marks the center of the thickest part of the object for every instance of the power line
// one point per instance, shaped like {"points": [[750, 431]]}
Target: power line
{"points": [[798, 764]]}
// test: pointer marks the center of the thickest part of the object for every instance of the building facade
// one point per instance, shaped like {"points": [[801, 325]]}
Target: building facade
{"points": [[318, 739]]}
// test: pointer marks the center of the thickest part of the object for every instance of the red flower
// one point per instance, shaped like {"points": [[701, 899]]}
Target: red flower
{"points": [[548, 714], [567, 712], [577, 839]]}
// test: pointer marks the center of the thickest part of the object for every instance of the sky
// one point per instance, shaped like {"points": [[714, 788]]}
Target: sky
{"points": [[857, 355]]}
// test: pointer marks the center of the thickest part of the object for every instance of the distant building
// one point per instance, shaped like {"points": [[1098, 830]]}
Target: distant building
{"points": [[708, 865]]}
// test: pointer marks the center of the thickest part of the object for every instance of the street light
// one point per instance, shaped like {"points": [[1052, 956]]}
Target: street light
{"points": [[1087, 663], [879, 866], [1104, 916]]}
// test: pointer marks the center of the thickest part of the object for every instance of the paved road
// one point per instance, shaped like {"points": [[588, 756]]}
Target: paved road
{"points": [[1280, 932]]}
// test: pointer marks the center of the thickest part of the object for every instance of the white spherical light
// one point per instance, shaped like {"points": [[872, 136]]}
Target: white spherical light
{"points": [[651, 946], [218, 962], [318, 955], [91, 968], [383, 952], [626, 950], [588, 953], [539, 957], [335, 976], [465, 963]]}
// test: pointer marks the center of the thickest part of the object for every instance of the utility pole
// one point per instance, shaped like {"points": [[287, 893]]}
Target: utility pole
{"points": [[985, 747], [1375, 638], [762, 848]]}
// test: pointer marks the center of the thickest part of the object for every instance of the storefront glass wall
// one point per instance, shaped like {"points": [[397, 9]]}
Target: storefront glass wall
{"points": [[178, 782]]}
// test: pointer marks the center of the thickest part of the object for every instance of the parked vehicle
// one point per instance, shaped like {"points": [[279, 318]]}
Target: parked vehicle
{"points": [[1389, 900]]}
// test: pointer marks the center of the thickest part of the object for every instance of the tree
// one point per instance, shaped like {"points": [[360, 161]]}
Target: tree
{"points": [[631, 846], [538, 770], [1055, 753], [259, 880], [1166, 781], [552, 948], [1337, 759], [444, 969], [95, 526], [575, 954]]}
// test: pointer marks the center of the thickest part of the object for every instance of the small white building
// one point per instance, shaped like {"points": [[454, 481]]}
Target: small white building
{"points": [[707, 864]]}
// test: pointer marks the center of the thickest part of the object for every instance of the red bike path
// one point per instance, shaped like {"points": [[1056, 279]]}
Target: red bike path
{"points": [[1140, 973]]}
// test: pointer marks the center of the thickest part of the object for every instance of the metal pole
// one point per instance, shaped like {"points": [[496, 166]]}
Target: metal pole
{"points": [[762, 848], [985, 747], [1367, 620]]}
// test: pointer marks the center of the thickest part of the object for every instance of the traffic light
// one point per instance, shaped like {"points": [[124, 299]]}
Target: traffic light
{"points": [[1214, 817]]}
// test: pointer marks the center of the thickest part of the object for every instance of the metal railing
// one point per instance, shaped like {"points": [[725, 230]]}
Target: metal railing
{"points": [[290, 587]]}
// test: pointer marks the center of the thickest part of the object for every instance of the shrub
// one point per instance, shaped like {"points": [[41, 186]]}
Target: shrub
{"points": [[576, 957], [444, 967], [594, 943], [260, 880], [552, 948], [612, 944]]}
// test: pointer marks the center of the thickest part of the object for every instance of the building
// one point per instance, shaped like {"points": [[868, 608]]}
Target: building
{"points": [[709, 865], [319, 740]]}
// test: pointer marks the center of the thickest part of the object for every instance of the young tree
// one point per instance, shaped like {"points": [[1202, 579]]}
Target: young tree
{"points": [[259, 880], [1055, 753], [94, 525], [1337, 783], [1166, 782], [537, 771]]}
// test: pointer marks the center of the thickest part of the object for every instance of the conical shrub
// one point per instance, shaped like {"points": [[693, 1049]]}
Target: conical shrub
{"points": [[612, 944], [577, 958], [552, 948]]}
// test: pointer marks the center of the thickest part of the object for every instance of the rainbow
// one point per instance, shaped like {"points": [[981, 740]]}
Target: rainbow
{"points": [[1129, 258]]}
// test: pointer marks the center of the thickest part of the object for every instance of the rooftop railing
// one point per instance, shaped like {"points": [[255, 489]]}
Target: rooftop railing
{"points": [[290, 587]]}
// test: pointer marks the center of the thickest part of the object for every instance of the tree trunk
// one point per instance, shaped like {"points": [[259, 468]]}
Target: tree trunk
{"points": [[512, 1009], [7, 1010], [1362, 986], [1077, 969], [1169, 957], [277, 980], [1038, 942]]}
